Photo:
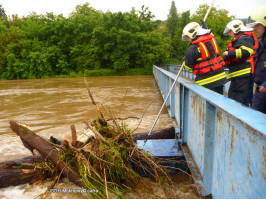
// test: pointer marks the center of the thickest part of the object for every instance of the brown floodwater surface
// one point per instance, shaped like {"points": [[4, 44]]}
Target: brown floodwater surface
{"points": [[50, 106], [48, 103]]}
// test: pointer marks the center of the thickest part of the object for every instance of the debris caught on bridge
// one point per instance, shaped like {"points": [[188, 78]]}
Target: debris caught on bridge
{"points": [[109, 163]]}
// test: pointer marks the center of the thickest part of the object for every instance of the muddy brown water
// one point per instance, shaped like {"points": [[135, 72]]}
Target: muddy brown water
{"points": [[50, 106]]}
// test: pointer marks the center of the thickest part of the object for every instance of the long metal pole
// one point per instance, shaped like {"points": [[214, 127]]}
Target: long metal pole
{"points": [[180, 70], [206, 15]]}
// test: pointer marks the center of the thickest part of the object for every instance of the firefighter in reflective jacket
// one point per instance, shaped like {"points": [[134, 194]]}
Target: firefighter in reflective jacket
{"points": [[239, 59], [203, 57], [257, 20]]}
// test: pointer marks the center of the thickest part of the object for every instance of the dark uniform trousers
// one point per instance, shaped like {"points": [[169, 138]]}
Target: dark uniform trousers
{"points": [[239, 90], [219, 89], [259, 101]]}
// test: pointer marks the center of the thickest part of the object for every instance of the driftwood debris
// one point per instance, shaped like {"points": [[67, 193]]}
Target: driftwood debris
{"points": [[74, 134], [19, 171], [167, 133], [92, 99], [46, 149]]}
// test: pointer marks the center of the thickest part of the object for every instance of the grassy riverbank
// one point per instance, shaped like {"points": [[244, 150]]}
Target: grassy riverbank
{"points": [[112, 72], [107, 72], [126, 72]]}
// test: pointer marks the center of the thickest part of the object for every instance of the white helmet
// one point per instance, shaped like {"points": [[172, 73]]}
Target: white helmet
{"points": [[191, 30], [235, 26], [257, 16]]}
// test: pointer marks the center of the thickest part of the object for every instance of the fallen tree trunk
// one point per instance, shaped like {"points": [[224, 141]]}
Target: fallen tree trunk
{"points": [[13, 177], [27, 162], [46, 150], [167, 133], [19, 171]]}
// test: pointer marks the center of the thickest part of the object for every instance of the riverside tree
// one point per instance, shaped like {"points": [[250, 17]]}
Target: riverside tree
{"points": [[180, 46], [172, 20], [2, 11]]}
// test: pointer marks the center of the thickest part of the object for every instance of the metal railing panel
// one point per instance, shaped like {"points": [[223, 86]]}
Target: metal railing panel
{"points": [[227, 141]]}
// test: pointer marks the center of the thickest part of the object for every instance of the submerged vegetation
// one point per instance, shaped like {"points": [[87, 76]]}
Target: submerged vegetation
{"points": [[91, 43]]}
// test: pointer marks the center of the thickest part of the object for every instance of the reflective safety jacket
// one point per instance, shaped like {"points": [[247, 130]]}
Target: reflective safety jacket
{"points": [[241, 51], [210, 57], [203, 57]]}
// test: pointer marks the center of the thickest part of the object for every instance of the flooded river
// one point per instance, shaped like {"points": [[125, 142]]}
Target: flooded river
{"points": [[50, 106]]}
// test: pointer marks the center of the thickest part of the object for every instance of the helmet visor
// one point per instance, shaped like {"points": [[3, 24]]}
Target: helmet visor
{"points": [[226, 31], [184, 37]]}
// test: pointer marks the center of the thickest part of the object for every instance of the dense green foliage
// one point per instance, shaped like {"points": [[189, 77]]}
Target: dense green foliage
{"points": [[40, 46], [2, 11], [90, 42]]}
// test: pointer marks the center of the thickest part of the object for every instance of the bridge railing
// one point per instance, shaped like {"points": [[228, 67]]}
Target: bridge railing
{"points": [[190, 75], [223, 141]]}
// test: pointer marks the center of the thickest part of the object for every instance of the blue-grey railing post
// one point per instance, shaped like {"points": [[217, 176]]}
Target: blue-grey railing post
{"points": [[164, 92], [210, 121], [172, 100], [181, 112], [161, 84], [168, 86], [185, 115]]}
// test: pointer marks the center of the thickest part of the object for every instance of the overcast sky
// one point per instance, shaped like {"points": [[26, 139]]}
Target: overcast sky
{"points": [[159, 8]]}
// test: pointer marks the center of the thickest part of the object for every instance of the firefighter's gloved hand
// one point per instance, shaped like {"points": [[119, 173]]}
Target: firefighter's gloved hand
{"points": [[203, 25]]}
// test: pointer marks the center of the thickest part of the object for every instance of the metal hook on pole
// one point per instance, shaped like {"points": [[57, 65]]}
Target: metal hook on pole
{"points": [[178, 74]]}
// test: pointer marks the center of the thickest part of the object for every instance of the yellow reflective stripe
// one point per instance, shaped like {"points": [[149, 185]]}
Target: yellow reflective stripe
{"points": [[248, 49], [238, 53], [265, 64], [206, 52], [186, 67], [199, 49], [239, 73], [211, 79], [216, 48], [199, 59]]}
